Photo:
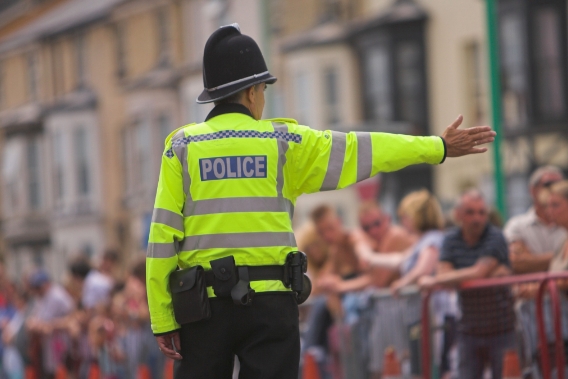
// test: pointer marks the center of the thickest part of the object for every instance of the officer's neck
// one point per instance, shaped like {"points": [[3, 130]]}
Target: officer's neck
{"points": [[225, 108]]}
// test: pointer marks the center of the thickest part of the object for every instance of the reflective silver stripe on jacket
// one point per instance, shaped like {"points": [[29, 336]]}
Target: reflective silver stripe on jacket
{"points": [[169, 218], [180, 150], [364, 156], [239, 204], [336, 159], [238, 240], [161, 250]]}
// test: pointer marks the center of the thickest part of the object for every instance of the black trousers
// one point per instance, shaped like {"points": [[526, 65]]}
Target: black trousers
{"points": [[264, 335]]}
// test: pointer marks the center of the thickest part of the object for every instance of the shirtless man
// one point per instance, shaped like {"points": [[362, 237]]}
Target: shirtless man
{"points": [[346, 274], [383, 237]]}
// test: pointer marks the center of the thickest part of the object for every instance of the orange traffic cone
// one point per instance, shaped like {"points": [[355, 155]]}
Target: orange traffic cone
{"points": [[311, 369], [511, 365], [144, 372], [61, 372], [169, 369], [94, 371], [391, 365], [30, 373]]}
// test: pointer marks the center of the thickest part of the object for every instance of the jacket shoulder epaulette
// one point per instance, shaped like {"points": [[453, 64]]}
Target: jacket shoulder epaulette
{"points": [[282, 119], [170, 136]]}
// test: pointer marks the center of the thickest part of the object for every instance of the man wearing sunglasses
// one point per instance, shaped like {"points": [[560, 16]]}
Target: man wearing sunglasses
{"points": [[383, 237], [532, 238]]}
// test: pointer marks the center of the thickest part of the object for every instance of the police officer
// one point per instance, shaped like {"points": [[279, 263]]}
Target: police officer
{"points": [[223, 212]]}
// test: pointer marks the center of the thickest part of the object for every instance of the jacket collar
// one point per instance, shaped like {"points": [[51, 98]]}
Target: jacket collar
{"points": [[228, 108]]}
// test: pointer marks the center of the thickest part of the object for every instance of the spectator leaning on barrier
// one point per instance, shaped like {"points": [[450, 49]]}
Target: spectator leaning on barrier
{"points": [[79, 269], [558, 212], [532, 238], [420, 214], [99, 283], [52, 304], [316, 250], [477, 250], [383, 237], [345, 274]]}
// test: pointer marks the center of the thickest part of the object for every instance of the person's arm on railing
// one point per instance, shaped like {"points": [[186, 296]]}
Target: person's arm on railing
{"points": [[483, 268], [386, 260], [523, 261], [335, 284], [424, 266]]}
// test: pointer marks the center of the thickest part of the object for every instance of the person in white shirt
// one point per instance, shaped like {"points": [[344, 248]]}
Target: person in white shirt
{"points": [[532, 238], [99, 283], [52, 304]]}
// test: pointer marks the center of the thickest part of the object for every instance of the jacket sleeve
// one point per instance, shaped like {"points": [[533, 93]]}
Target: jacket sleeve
{"points": [[166, 231], [329, 160]]}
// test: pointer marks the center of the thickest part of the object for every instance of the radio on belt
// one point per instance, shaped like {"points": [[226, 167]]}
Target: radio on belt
{"points": [[238, 167]]}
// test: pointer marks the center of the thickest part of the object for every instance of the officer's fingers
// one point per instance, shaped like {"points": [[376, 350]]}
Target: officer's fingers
{"points": [[485, 140], [166, 349], [477, 150], [480, 129], [483, 136], [456, 123], [176, 341]]}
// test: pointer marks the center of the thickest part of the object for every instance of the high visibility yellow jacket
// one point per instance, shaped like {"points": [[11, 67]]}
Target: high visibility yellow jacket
{"points": [[228, 187]]}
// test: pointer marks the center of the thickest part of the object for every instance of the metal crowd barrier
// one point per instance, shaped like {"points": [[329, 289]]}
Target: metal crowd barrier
{"points": [[547, 283]]}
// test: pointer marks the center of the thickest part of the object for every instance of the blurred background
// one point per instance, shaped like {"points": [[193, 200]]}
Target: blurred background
{"points": [[89, 90]]}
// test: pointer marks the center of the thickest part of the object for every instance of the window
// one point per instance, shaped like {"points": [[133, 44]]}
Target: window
{"points": [[331, 93], [143, 154], [80, 59], [394, 76], [513, 63], [302, 98], [34, 173], [164, 128], [58, 166], [163, 40], [37, 258], [128, 162], [377, 68], [81, 145], [534, 47], [58, 68], [549, 72], [476, 89], [408, 64], [121, 49], [11, 171], [32, 66]]}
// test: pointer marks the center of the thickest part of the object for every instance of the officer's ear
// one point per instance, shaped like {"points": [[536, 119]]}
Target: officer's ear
{"points": [[249, 95]]}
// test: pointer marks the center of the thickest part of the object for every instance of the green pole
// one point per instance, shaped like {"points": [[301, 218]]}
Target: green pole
{"points": [[495, 84]]}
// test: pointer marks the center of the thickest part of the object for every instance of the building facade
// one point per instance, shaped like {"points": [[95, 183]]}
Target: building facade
{"points": [[89, 90]]}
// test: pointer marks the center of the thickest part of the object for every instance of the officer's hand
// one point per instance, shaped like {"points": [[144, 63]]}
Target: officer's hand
{"points": [[167, 347], [460, 142]]}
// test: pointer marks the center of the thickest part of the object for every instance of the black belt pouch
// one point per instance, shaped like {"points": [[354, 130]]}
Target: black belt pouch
{"points": [[226, 275], [189, 295]]}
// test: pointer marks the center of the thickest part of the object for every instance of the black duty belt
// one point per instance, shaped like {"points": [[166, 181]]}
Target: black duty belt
{"points": [[254, 273]]}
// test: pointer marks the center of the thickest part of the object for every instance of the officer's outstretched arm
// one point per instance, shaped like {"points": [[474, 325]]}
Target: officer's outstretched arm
{"points": [[166, 230], [332, 160]]}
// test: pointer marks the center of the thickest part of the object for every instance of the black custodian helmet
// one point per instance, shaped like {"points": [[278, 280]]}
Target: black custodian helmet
{"points": [[231, 62]]}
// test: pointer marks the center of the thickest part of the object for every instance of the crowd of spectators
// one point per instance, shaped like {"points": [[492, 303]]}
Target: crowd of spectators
{"points": [[432, 252], [92, 324]]}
